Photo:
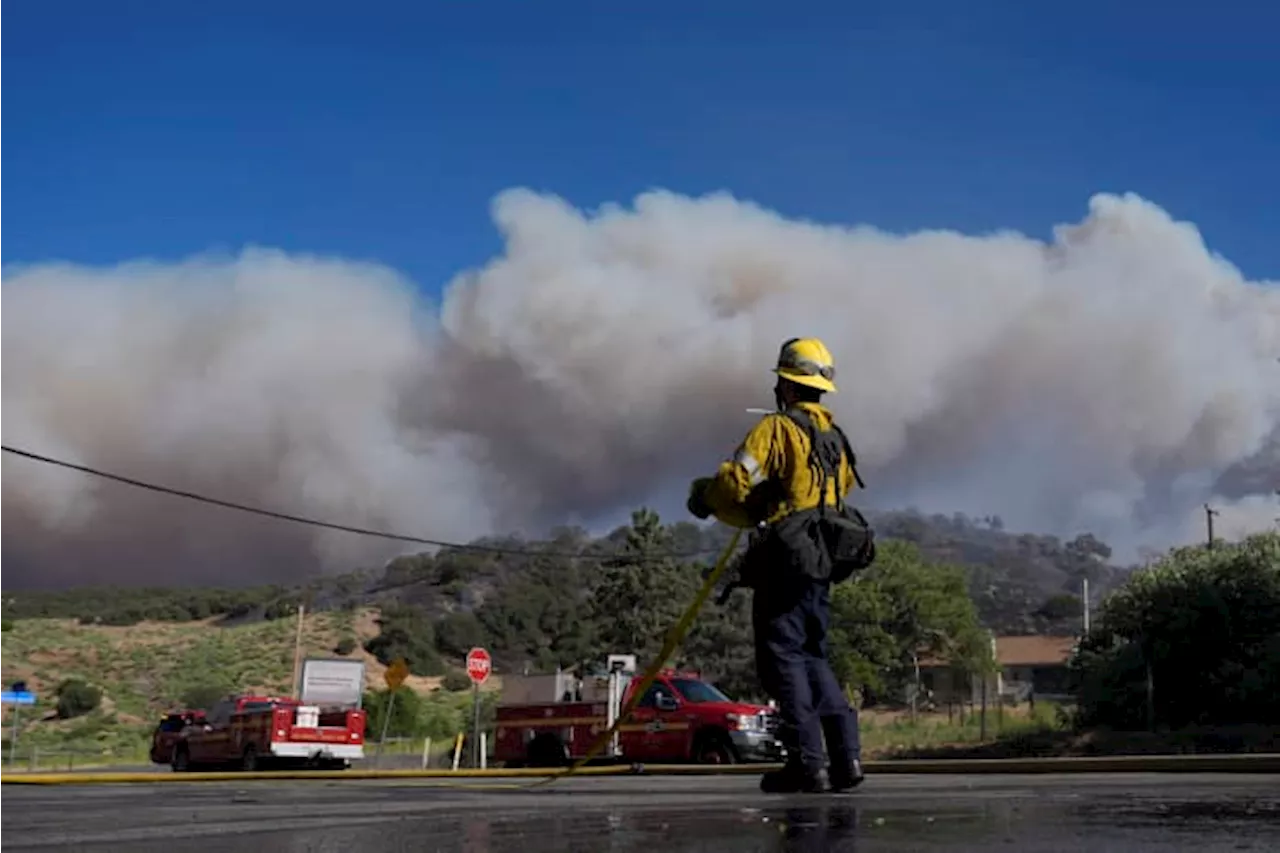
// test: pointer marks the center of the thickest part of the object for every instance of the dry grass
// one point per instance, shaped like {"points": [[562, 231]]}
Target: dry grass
{"points": [[145, 669], [895, 733]]}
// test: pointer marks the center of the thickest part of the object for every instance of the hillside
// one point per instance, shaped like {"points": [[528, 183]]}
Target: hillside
{"points": [[1011, 575], [531, 608], [150, 649], [150, 667]]}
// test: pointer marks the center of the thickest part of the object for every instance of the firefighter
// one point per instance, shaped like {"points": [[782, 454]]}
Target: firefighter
{"points": [[771, 479]]}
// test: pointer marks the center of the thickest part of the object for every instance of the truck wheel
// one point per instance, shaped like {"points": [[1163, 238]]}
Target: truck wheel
{"points": [[547, 751], [715, 748], [181, 760], [249, 760]]}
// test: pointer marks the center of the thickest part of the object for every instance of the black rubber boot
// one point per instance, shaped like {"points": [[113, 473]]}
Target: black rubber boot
{"points": [[795, 779], [846, 779]]}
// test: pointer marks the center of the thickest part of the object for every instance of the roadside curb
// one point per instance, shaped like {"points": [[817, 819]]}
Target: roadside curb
{"points": [[1243, 763], [1238, 763]]}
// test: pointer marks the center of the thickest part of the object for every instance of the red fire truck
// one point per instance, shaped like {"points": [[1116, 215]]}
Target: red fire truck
{"points": [[551, 720], [254, 732], [325, 728]]}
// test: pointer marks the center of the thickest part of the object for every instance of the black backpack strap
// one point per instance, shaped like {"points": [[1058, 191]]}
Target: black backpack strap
{"points": [[850, 455], [805, 422], [802, 419]]}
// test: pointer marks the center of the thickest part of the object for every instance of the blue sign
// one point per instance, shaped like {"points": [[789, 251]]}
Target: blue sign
{"points": [[11, 697]]}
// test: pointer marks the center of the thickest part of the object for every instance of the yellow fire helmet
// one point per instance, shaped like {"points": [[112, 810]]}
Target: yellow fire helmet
{"points": [[807, 361]]}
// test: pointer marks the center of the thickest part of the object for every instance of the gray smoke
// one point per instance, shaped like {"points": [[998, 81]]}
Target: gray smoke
{"points": [[1111, 380]]}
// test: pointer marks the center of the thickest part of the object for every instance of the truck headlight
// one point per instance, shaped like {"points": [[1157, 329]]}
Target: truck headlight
{"points": [[742, 722]]}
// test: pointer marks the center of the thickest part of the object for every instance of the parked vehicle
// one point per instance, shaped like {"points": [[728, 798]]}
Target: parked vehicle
{"points": [[255, 732], [554, 719], [170, 730], [323, 729]]}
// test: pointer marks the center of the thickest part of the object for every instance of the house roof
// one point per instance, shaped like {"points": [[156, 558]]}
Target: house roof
{"points": [[1031, 650]]}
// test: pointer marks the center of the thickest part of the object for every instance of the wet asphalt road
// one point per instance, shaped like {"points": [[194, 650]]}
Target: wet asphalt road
{"points": [[1127, 813]]}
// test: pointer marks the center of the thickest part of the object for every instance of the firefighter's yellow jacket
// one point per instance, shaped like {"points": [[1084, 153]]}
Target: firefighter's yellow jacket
{"points": [[776, 449]]}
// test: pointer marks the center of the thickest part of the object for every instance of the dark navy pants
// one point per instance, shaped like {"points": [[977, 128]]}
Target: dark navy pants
{"points": [[790, 618]]}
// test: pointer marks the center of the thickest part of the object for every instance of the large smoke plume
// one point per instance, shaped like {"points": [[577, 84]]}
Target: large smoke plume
{"points": [[1111, 380]]}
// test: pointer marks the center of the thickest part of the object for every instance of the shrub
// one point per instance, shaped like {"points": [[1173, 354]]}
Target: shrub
{"points": [[1202, 628], [202, 697], [455, 681], [407, 633], [77, 698]]}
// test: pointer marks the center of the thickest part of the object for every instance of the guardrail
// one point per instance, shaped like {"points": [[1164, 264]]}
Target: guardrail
{"points": [[35, 757]]}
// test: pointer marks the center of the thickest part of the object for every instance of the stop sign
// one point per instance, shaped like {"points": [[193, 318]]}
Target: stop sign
{"points": [[478, 665]]}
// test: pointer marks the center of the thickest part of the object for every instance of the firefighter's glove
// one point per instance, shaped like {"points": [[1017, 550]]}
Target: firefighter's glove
{"points": [[697, 504]]}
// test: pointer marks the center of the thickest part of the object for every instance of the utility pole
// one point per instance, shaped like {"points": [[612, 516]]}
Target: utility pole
{"points": [[1209, 513], [13, 738], [1085, 597], [297, 651]]}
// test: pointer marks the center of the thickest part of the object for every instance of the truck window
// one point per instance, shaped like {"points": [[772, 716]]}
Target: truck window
{"points": [[220, 714], [650, 698], [698, 691], [172, 723]]}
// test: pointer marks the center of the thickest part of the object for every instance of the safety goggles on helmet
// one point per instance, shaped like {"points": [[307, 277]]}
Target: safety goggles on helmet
{"points": [[791, 362]]}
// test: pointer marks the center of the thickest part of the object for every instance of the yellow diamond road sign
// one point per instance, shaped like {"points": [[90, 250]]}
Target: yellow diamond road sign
{"points": [[397, 673]]}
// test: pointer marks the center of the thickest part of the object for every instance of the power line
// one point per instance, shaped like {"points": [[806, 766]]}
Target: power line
{"points": [[362, 531]]}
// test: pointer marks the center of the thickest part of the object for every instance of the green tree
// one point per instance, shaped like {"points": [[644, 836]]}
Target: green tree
{"points": [[440, 715], [406, 633], [721, 646], [1059, 613], [899, 610], [863, 653], [407, 713], [1202, 628], [541, 614], [637, 599], [458, 632]]}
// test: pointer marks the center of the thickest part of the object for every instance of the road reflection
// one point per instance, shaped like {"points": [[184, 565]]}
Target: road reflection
{"points": [[1026, 820], [793, 827]]}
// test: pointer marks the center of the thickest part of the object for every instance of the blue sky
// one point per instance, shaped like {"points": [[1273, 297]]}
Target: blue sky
{"points": [[383, 130]]}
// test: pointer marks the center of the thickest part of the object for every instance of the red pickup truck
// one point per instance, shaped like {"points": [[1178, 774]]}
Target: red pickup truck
{"points": [[253, 732], [680, 718]]}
